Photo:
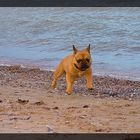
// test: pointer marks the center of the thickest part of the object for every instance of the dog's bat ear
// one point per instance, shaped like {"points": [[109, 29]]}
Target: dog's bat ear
{"points": [[74, 49], [88, 48]]}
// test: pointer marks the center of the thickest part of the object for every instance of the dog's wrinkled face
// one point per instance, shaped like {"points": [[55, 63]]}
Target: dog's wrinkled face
{"points": [[82, 59]]}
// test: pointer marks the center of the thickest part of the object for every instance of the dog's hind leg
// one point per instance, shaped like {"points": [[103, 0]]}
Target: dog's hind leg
{"points": [[58, 72]]}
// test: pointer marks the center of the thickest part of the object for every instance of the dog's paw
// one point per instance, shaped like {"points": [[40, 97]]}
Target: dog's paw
{"points": [[68, 92], [53, 85], [90, 88]]}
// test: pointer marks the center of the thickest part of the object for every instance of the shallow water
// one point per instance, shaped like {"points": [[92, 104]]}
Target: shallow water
{"points": [[43, 36]]}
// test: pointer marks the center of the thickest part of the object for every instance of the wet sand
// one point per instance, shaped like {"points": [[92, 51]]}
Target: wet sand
{"points": [[28, 104]]}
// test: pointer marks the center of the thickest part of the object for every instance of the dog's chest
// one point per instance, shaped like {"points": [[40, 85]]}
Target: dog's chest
{"points": [[80, 74]]}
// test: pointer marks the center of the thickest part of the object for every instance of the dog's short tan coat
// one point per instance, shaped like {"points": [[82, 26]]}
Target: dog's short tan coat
{"points": [[74, 66]]}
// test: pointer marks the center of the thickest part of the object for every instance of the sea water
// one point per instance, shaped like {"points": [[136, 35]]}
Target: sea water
{"points": [[35, 36]]}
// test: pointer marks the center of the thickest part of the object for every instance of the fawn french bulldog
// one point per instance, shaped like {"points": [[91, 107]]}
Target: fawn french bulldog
{"points": [[75, 66]]}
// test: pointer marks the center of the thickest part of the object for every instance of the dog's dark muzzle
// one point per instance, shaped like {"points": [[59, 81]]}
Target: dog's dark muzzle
{"points": [[84, 67]]}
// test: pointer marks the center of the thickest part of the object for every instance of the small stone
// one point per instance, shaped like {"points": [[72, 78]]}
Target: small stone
{"points": [[85, 106], [23, 101], [49, 129], [39, 103], [55, 107], [98, 130], [82, 117]]}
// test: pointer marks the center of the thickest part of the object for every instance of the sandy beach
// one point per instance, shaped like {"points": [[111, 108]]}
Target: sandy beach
{"points": [[28, 104]]}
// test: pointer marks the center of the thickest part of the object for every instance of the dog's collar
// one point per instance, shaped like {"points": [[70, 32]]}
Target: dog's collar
{"points": [[76, 67]]}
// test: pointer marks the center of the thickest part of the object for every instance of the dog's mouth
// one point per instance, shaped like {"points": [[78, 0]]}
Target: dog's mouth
{"points": [[83, 68]]}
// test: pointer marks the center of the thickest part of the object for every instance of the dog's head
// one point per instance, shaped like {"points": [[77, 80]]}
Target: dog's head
{"points": [[82, 59]]}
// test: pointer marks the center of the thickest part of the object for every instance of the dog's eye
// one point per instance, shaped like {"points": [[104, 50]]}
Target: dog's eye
{"points": [[79, 60], [87, 60]]}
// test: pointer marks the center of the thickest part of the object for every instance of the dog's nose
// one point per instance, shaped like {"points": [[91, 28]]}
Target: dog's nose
{"points": [[83, 65]]}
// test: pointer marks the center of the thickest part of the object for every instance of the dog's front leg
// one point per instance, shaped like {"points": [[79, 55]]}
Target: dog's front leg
{"points": [[89, 79], [70, 82]]}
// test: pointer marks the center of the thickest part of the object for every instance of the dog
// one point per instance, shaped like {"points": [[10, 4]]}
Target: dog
{"points": [[75, 66]]}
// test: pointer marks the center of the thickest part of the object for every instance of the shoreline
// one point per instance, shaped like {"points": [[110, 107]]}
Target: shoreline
{"points": [[112, 74], [29, 105]]}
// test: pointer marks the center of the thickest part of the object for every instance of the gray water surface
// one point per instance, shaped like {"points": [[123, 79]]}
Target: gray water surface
{"points": [[43, 36]]}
